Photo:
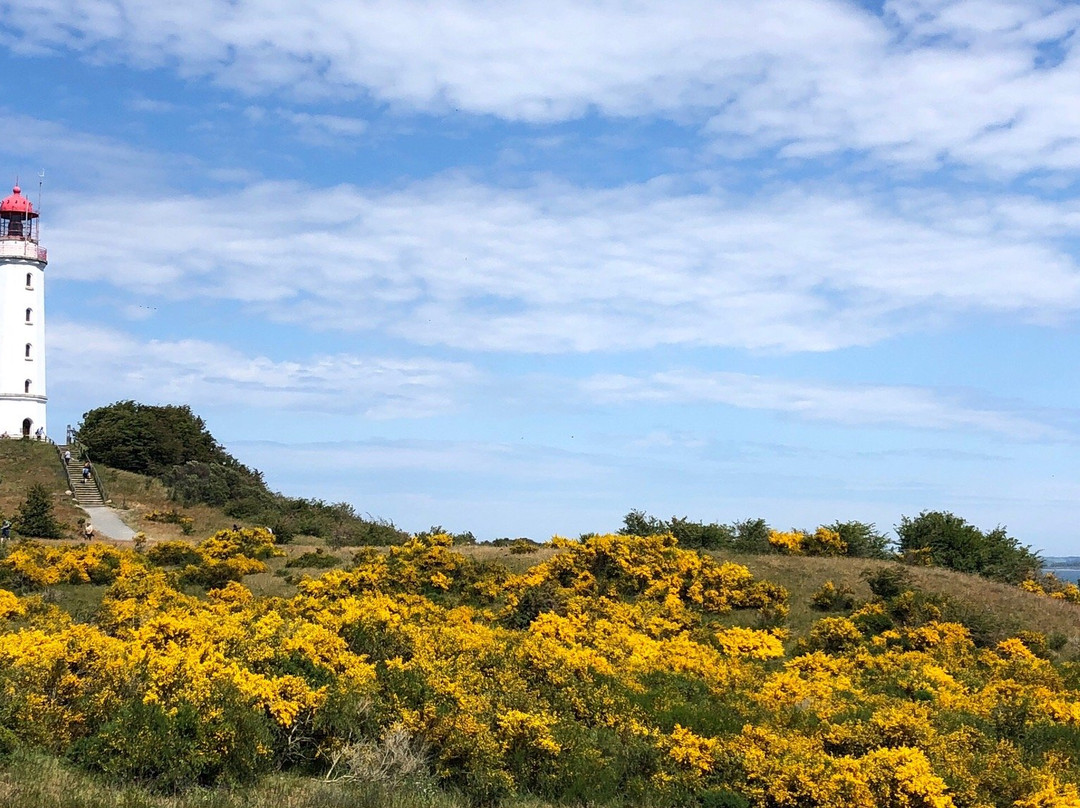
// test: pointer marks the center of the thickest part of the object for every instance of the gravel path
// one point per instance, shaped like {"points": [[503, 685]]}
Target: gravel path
{"points": [[107, 523]]}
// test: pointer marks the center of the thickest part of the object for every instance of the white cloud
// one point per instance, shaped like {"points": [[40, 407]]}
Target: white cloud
{"points": [[927, 80], [74, 159], [850, 405], [202, 373], [311, 128], [555, 268]]}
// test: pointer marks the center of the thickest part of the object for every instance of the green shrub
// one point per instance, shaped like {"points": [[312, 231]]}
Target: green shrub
{"points": [[863, 539], [951, 542], [831, 598], [887, 582], [35, 515], [173, 749], [316, 559], [369, 533]]}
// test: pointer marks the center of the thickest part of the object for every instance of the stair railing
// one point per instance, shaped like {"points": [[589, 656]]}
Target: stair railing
{"points": [[67, 471], [83, 454]]}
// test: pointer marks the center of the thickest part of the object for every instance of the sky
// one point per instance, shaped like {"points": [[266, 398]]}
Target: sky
{"points": [[518, 267]]}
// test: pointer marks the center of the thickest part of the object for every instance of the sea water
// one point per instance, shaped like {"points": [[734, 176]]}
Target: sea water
{"points": [[1071, 574]]}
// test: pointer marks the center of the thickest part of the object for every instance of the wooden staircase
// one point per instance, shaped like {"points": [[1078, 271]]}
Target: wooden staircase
{"points": [[87, 492]]}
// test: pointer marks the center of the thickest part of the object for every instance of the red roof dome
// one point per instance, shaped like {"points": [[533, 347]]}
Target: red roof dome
{"points": [[17, 203]]}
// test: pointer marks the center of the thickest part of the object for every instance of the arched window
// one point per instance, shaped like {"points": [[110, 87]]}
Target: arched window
{"points": [[28, 347], [26, 386], [29, 280], [29, 315]]}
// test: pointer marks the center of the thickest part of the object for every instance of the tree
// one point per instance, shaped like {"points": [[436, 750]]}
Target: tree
{"points": [[148, 439], [35, 516], [639, 523], [751, 536], [863, 539], [955, 544], [698, 535]]}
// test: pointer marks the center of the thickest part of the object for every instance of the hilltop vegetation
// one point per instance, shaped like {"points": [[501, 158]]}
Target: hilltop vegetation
{"points": [[173, 446], [933, 538]]}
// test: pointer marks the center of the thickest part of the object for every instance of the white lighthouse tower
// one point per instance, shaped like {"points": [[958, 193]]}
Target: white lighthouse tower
{"points": [[22, 319]]}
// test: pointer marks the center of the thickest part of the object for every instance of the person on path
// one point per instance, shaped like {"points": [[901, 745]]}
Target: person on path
{"points": [[86, 471], [67, 456], [5, 530], [89, 531]]}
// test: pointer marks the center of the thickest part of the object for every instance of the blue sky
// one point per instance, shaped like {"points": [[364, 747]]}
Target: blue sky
{"points": [[519, 267]]}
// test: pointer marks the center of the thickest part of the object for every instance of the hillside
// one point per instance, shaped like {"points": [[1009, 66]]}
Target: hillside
{"points": [[999, 609], [24, 463]]}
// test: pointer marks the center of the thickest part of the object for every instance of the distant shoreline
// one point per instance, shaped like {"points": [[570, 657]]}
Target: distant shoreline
{"points": [[1071, 573]]}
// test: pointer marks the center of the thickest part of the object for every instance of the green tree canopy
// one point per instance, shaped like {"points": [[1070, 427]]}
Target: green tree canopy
{"points": [[954, 543], [173, 444], [148, 439]]}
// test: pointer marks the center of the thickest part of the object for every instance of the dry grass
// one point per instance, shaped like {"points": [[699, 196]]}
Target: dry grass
{"points": [[1005, 609], [23, 463], [135, 495], [515, 562], [37, 781], [1000, 608]]}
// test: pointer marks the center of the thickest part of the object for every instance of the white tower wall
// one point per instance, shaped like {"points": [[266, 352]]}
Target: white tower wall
{"points": [[22, 338]]}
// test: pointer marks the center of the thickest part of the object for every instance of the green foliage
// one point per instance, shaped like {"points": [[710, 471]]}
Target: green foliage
{"points": [[460, 539], [887, 582], [698, 535], [690, 534], [172, 444], [639, 523], [952, 542], [170, 750], [749, 535], [360, 532], [833, 598], [35, 515], [863, 539], [314, 560], [221, 483], [147, 439]]}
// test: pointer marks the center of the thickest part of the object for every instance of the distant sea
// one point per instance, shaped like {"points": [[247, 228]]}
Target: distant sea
{"points": [[1065, 573]]}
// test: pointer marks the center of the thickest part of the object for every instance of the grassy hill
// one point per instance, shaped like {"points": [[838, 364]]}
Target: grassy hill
{"points": [[999, 610], [24, 463]]}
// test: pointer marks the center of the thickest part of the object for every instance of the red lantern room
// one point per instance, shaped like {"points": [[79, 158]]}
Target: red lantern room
{"points": [[17, 217]]}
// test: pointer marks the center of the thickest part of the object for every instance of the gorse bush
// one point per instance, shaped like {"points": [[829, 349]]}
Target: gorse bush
{"points": [[620, 670], [755, 536]]}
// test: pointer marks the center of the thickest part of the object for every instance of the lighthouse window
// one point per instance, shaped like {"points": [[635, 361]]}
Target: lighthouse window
{"points": [[29, 281], [28, 346], [26, 386], [29, 315]]}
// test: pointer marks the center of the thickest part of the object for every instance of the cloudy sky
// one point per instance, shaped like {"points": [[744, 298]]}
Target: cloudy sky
{"points": [[518, 267]]}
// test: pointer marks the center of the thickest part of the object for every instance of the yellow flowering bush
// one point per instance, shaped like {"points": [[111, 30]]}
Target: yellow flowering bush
{"points": [[620, 670]]}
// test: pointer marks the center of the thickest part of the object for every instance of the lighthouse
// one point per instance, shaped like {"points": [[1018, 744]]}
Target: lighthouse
{"points": [[22, 319]]}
